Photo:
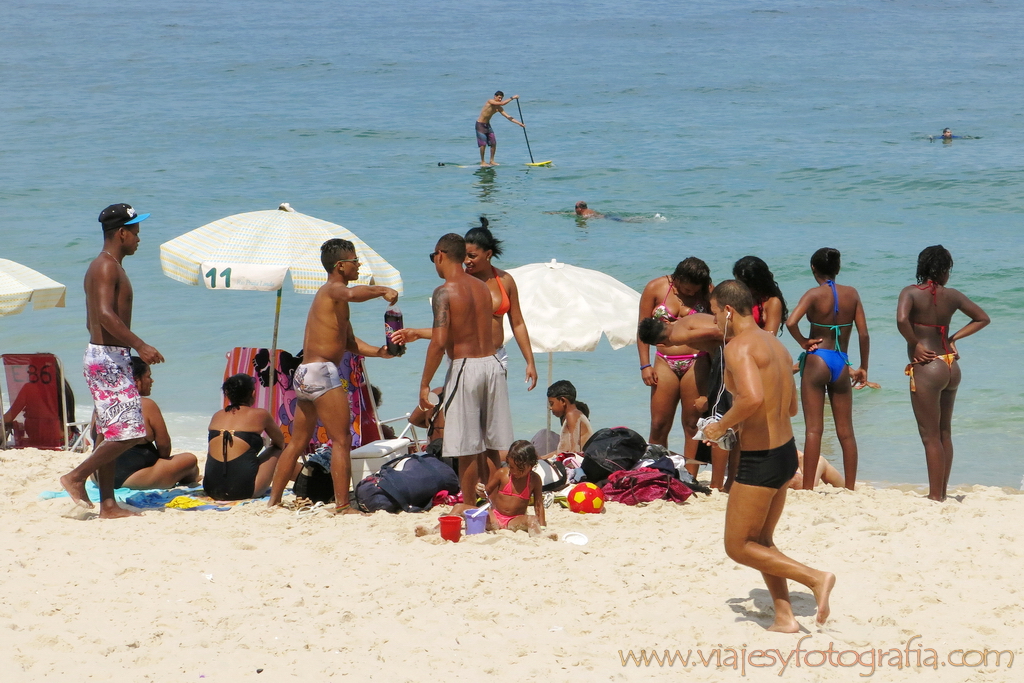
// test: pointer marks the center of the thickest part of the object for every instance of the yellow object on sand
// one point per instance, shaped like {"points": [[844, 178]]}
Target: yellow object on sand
{"points": [[185, 503]]}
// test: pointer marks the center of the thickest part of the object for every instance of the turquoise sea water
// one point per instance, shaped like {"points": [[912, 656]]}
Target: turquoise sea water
{"points": [[771, 128]]}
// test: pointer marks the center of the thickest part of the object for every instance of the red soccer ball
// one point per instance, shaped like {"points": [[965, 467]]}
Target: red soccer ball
{"points": [[586, 497]]}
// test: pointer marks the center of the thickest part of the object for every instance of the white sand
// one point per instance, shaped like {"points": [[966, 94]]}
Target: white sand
{"points": [[214, 596]]}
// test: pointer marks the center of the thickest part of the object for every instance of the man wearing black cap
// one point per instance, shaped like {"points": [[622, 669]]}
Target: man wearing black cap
{"points": [[108, 369]]}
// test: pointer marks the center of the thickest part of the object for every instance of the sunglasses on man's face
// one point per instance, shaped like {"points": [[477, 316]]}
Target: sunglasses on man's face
{"points": [[435, 253]]}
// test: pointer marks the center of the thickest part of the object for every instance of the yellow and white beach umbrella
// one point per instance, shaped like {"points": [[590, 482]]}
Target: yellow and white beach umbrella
{"points": [[20, 284], [567, 308], [253, 251]]}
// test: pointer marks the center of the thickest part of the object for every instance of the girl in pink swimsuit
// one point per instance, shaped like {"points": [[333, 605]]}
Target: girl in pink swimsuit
{"points": [[509, 505], [669, 375]]}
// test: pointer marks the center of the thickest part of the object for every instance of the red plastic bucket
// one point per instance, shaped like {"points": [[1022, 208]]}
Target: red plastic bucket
{"points": [[451, 527]]}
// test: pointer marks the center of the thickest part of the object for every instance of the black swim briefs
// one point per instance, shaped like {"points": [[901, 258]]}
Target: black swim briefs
{"points": [[772, 468]]}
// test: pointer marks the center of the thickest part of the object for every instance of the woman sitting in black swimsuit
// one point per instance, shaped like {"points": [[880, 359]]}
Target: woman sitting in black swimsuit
{"points": [[235, 468], [150, 465]]}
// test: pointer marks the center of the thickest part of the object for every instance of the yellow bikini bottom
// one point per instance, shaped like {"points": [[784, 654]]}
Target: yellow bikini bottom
{"points": [[948, 358]]}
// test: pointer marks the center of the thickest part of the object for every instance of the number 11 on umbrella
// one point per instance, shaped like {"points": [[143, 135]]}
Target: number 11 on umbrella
{"points": [[225, 275]]}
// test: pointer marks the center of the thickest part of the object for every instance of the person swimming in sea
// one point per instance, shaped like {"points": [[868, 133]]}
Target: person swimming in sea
{"points": [[923, 314], [832, 310], [585, 212], [947, 135]]}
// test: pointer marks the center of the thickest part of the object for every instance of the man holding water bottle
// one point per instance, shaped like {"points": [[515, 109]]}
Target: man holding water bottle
{"points": [[328, 336]]}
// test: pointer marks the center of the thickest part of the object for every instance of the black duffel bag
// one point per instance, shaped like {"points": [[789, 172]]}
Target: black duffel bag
{"points": [[407, 483], [610, 450]]}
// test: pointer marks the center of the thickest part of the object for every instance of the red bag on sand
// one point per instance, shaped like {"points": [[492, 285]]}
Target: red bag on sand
{"points": [[640, 486]]}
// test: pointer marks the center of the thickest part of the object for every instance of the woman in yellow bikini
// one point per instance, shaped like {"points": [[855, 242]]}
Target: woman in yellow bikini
{"points": [[922, 316]]}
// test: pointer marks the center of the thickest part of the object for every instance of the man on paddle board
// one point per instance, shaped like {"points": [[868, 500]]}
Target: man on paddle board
{"points": [[484, 132]]}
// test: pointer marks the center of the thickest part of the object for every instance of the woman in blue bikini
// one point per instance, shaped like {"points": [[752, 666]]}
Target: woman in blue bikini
{"points": [[832, 310], [672, 375]]}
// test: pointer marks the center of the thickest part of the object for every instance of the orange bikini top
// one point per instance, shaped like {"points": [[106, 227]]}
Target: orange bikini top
{"points": [[506, 303]]}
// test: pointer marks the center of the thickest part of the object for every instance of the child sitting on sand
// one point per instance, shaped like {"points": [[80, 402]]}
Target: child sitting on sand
{"points": [[573, 414], [509, 491]]}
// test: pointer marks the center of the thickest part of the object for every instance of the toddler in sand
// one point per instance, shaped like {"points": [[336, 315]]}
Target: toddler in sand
{"points": [[509, 490]]}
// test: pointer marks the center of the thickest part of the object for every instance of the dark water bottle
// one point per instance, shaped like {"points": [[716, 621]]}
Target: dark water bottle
{"points": [[393, 323]]}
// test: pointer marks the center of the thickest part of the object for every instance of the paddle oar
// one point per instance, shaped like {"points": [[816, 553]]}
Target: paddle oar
{"points": [[532, 163]]}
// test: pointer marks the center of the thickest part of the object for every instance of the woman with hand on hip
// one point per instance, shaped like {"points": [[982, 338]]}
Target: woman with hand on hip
{"points": [[922, 316]]}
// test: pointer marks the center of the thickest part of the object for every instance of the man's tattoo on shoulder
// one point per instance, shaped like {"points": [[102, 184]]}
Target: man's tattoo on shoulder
{"points": [[441, 307]]}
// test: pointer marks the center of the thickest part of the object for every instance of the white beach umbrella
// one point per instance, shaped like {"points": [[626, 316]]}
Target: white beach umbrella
{"points": [[567, 308], [253, 251], [20, 284]]}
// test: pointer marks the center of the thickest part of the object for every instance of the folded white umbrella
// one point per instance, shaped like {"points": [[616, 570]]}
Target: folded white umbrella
{"points": [[20, 284], [253, 251], [567, 308]]}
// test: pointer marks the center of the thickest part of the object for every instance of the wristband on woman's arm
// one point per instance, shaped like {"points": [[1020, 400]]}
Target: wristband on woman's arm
{"points": [[644, 367]]}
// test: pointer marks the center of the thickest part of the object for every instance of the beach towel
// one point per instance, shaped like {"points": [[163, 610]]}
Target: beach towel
{"points": [[278, 398], [641, 486], [182, 498]]}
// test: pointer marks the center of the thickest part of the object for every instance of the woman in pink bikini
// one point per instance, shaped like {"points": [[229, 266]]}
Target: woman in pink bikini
{"points": [[674, 373], [922, 316], [509, 489]]}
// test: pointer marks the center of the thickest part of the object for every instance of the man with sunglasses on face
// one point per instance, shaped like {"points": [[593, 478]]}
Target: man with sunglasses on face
{"points": [[108, 368], [318, 380], [475, 399]]}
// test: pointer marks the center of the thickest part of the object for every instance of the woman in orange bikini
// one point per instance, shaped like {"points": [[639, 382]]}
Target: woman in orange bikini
{"points": [[481, 247], [674, 373], [922, 316]]}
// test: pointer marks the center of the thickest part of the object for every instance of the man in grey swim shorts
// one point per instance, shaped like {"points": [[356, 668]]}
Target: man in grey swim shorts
{"points": [[475, 398], [108, 372], [328, 335]]}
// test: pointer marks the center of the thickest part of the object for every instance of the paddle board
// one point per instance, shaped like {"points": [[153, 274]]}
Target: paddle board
{"points": [[541, 163]]}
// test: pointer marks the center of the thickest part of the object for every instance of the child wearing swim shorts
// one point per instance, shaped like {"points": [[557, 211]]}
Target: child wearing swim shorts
{"points": [[510, 488]]}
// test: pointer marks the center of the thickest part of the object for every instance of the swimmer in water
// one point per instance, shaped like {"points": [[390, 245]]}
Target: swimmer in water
{"points": [[583, 212], [947, 134]]}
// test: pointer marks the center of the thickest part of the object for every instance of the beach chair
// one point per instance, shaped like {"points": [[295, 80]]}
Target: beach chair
{"points": [[41, 412]]}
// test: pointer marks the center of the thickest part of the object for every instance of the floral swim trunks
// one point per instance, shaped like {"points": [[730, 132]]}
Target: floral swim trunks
{"points": [[108, 372]]}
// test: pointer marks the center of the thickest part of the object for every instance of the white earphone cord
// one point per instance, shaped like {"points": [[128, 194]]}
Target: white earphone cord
{"points": [[721, 367]]}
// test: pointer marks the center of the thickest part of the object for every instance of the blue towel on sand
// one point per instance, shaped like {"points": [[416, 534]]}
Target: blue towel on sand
{"points": [[148, 499], [122, 495]]}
